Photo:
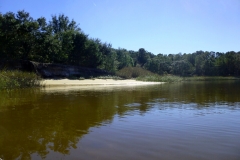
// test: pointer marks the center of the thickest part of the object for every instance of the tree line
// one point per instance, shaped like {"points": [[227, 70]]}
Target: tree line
{"points": [[62, 41]]}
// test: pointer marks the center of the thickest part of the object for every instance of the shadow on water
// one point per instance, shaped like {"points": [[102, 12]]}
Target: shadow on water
{"points": [[40, 121]]}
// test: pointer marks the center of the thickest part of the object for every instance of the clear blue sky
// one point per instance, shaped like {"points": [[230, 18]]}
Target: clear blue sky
{"points": [[159, 26]]}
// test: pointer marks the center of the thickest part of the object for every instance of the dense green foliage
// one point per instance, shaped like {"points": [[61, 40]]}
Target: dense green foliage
{"points": [[61, 41], [18, 79]]}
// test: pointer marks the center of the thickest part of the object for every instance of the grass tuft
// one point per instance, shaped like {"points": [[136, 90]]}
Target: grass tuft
{"points": [[145, 75], [133, 72], [161, 78], [18, 79], [110, 77], [214, 78]]}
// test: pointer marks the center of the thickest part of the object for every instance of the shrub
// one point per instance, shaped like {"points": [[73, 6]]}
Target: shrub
{"points": [[18, 79]]}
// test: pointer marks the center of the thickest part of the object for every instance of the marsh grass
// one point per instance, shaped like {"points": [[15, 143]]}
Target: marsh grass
{"points": [[133, 72], [161, 78], [144, 75], [18, 79], [205, 78], [110, 77], [173, 78]]}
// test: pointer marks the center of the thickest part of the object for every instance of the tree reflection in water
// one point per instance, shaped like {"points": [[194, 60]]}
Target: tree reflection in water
{"points": [[40, 121]]}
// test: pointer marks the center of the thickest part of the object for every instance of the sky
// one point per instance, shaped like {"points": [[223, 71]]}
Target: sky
{"points": [[158, 26]]}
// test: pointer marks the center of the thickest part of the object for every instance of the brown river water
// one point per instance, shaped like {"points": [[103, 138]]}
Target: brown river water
{"points": [[179, 121]]}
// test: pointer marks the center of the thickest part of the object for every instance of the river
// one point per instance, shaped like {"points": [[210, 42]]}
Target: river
{"points": [[184, 121]]}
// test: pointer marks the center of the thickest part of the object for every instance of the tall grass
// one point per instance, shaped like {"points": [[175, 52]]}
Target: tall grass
{"points": [[213, 78], [133, 72], [173, 78], [161, 78], [145, 75], [18, 79]]}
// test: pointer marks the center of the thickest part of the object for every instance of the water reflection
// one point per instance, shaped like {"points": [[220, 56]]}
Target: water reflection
{"points": [[42, 121]]}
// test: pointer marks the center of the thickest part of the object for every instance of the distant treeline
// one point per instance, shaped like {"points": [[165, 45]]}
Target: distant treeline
{"points": [[61, 41]]}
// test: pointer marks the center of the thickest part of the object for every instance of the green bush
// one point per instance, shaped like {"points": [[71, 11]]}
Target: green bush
{"points": [[18, 79]]}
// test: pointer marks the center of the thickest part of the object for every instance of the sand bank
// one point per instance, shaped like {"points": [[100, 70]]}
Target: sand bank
{"points": [[88, 82]]}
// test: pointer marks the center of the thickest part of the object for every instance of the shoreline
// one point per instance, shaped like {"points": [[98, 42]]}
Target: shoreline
{"points": [[94, 82]]}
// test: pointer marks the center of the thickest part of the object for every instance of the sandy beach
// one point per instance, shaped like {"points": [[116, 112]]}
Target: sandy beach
{"points": [[89, 82]]}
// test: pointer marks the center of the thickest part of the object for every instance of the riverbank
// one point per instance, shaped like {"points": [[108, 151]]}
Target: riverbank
{"points": [[174, 79], [90, 82]]}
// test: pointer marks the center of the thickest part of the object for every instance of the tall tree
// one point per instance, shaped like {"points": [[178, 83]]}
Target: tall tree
{"points": [[143, 56], [17, 36], [63, 31], [124, 58]]}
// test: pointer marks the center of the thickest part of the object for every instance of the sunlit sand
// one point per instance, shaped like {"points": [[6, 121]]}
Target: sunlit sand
{"points": [[89, 82]]}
